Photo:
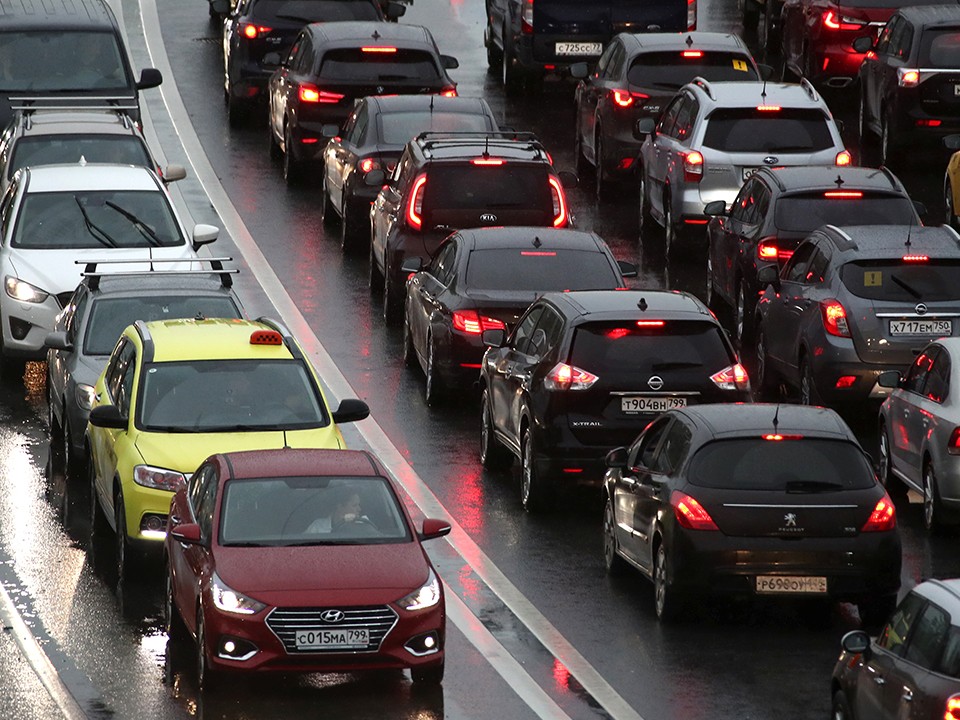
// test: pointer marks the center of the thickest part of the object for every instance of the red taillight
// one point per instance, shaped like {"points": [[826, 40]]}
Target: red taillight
{"points": [[568, 377], [732, 378], [693, 166], [526, 18], [929, 123], [311, 94], [953, 444], [834, 318], [369, 164], [449, 92], [538, 253], [377, 49], [883, 517], [769, 108], [832, 20], [650, 323], [845, 381], [560, 216], [622, 98], [843, 194], [251, 32], [767, 249], [488, 161], [692, 53], [415, 206], [266, 337], [915, 258], [907, 77], [470, 322], [689, 513], [843, 158], [777, 437], [952, 710]]}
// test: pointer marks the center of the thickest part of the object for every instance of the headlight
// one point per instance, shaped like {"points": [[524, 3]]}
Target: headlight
{"points": [[427, 595], [231, 601], [85, 395], [24, 291], [159, 478]]}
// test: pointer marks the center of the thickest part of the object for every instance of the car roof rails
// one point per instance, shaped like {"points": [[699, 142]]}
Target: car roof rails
{"points": [[94, 275], [704, 84], [29, 103], [810, 89], [288, 340], [429, 139], [840, 238]]}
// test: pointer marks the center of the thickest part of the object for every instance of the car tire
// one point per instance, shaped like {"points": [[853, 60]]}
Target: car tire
{"points": [[743, 317], [763, 373], [645, 220], [493, 455], [433, 391], [808, 384], [890, 482], [409, 354], [391, 299], [932, 504], [328, 215], [276, 152], [291, 166], [875, 611], [428, 674], [533, 493], [238, 113], [866, 136], [57, 462], [207, 676], [671, 233], [665, 600], [72, 465], [494, 54], [950, 217], [374, 276], [511, 75], [99, 527], [840, 707], [176, 629], [584, 168], [889, 153], [351, 230], [125, 554], [614, 564], [602, 185]]}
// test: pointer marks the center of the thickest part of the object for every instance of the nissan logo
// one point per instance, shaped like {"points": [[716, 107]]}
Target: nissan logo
{"points": [[771, 160], [655, 383], [488, 218], [332, 616], [921, 309]]}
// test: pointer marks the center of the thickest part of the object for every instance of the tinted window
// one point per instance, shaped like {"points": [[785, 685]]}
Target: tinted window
{"points": [[752, 130], [52, 149], [673, 70], [103, 219], [950, 660], [397, 128], [354, 65], [940, 47], [807, 212], [894, 635], [490, 187], [898, 281], [928, 637], [52, 60], [306, 11], [758, 464], [539, 270], [109, 316]]}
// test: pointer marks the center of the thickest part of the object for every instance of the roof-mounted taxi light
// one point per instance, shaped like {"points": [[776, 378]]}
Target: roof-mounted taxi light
{"points": [[266, 337]]}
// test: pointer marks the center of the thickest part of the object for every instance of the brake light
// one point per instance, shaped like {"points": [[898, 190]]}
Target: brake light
{"points": [[843, 194], [560, 216], [844, 158], [415, 206], [769, 108], [953, 444], [622, 98], [379, 49], [538, 253], [845, 381], [649, 323], [693, 166], [834, 318], [907, 77], [488, 161], [526, 18], [692, 53], [777, 437], [952, 711], [568, 377], [690, 513], [470, 322], [691, 14], [617, 333], [311, 94], [251, 32], [767, 249], [915, 258], [449, 92], [929, 123], [832, 20], [266, 337], [369, 164], [883, 517], [732, 378]]}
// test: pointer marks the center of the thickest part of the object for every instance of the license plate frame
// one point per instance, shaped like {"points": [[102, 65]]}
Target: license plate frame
{"points": [[650, 404], [790, 585], [578, 49], [928, 327], [332, 639]]}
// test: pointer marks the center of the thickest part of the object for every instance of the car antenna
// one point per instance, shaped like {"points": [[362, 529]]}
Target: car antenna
{"points": [[776, 419], [285, 445], [486, 147], [432, 96]]}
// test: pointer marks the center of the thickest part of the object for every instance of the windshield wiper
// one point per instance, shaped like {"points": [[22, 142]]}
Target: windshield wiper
{"points": [[906, 287], [812, 486], [98, 233], [239, 427], [309, 543], [143, 229]]}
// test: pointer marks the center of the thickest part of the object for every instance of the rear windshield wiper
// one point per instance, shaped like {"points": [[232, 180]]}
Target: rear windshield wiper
{"points": [[789, 148], [296, 18], [906, 287], [143, 229], [812, 486], [675, 365], [99, 234]]}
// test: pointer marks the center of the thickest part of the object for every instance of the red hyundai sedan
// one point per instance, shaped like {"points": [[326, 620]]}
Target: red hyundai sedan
{"points": [[302, 560]]}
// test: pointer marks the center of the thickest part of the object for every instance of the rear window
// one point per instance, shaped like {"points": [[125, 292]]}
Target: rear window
{"points": [[758, 464], [397, 128], [780, 131], [807, 212], [355, 65], [314, 10], [53, 149], [539, 270], [676, 345], [672, 70], [454, 186], [899, 281], [940, 47], [52, 60]]}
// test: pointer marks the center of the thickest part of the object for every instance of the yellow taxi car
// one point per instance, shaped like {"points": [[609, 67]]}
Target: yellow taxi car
{"points": [[951, 182], [176, 391]]}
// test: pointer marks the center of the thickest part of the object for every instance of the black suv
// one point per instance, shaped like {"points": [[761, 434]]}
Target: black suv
{"points": [[526, 39], [775, 210], [585, 371], [66, 50], [910, 79], [448, 181]]}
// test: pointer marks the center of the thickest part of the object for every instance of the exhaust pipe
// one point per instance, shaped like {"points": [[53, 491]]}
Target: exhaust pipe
{"points": [[839, 81]]}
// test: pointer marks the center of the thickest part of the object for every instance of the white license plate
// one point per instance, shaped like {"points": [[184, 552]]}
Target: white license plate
{"points": [[581, 48], [791, 584], [647, 404], [747, 172], [921, 327], [342, 638]]}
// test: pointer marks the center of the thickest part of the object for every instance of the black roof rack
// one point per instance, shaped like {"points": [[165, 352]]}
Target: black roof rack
{"points": [[429, 137], [216, 268]]}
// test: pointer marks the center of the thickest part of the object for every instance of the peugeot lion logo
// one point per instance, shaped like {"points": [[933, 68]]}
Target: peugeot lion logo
{"points": [[332, 616], [921, 309], [790, 519], [488, 218], [655, 383], [379, 90], [771, 160]]}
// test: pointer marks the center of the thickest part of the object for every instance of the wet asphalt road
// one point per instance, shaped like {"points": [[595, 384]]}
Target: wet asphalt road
{"points": [[736, 661]]}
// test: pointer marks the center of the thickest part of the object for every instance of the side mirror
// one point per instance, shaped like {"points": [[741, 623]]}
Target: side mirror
{"points": [[149, 78], [58, 341], [329, 130], [617, 458], [220, 7], [351, 410], [494, 338], [921, 209], [568, 179], [172, 173], [272, 59], [889, 379], [374, 178], [769, 275], [204, 235], [645, 126], [449, 62], [579, 70], [411, 265], [855, 641], [717, 207], [433, 528], [627, 269], [863, 44], [952, 142], [188, 533], [395, 11], [766, 72], [108, 416]]}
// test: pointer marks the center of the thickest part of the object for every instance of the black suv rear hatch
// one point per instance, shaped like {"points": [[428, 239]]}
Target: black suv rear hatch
{"points": [[940, 48]]}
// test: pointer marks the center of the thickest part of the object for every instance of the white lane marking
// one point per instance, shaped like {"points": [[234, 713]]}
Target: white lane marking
{"points": [[376, 438], [38, 659]]}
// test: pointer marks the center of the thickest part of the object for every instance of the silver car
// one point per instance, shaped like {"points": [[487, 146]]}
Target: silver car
{"points": [[713, 135], [920, 431]]}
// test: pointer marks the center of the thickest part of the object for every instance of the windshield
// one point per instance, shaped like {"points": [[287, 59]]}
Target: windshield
{"points": [[229, 395], [314, 10], [778, 131], [350, 65], [759, 464], [675, 68], [398, 128], [807, 212], [540, 271], [58, 60], [294, 511], [901, 281], [55, 149], [96, 219]]}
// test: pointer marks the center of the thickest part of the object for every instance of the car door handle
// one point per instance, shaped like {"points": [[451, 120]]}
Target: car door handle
{"points": [[629, 481], [175, 519], [906, 413], [907, 695], [879, 680]]}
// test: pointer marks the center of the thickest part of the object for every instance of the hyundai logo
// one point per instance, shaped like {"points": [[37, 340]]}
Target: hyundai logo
{"points": [[488, 218], [332, 616], [655, 382], [921, 309], [771, 160]]}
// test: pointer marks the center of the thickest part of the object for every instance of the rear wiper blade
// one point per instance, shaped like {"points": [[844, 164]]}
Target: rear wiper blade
{"points": [[142, 228], [906, 287], [812, 486], [295, 18], [788, 148], [98, 233], [674, 365]]}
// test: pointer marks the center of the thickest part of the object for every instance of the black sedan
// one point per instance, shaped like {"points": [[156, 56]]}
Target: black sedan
{"points": [[483, 279], [761, 501], [373, 138]]}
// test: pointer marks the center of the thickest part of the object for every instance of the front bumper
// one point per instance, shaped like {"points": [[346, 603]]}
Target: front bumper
{"points": [[25, 326]]}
